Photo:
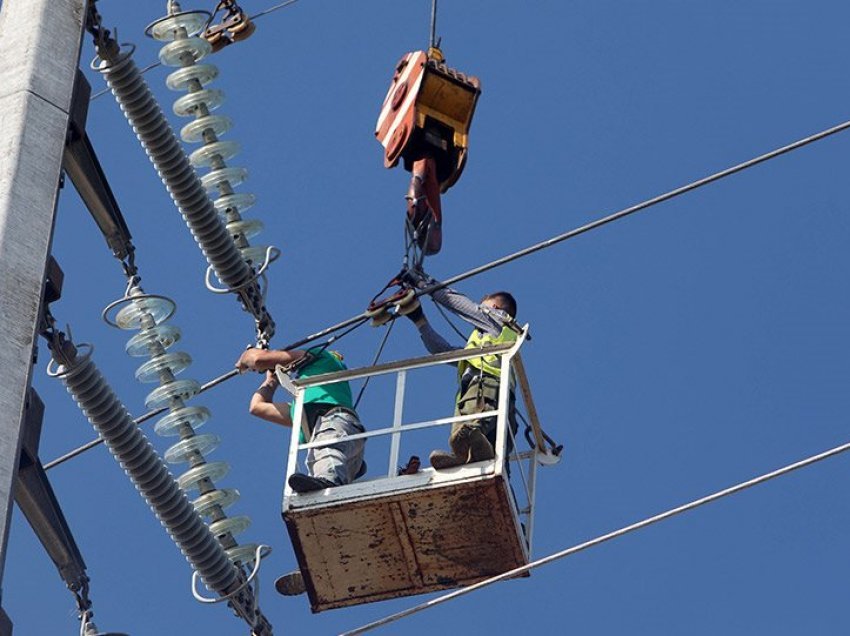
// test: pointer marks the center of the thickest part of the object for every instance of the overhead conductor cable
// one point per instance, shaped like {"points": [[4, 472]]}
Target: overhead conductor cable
{"points": [[808, 461], [363, 317]]}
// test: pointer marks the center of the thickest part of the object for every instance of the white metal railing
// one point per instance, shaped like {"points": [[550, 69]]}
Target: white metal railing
{"points": [[522, 479]]}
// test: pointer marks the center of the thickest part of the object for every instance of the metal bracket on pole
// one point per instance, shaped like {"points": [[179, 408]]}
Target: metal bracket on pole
{"points": [[82, 166], [36, 499]]}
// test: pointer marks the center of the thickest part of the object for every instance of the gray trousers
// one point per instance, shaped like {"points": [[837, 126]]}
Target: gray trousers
{"points": [[338, 462]]}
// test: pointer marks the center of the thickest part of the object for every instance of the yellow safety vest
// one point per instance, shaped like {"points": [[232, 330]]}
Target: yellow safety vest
{"points": [[490, 363]]}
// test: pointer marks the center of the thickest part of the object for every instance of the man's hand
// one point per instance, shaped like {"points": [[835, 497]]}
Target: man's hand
{"points": [[417, 278], [252, 360], [266, 359]]}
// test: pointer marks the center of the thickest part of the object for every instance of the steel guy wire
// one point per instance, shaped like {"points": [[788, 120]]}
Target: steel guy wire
{"points": [[147, 68], [362, 317], [696, 503]]}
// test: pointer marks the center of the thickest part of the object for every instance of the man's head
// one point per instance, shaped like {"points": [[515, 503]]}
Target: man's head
{"points": [[501, 300]]}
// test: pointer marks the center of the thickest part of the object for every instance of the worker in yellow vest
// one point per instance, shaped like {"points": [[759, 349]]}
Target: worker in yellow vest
{"points": [[478, 378]]}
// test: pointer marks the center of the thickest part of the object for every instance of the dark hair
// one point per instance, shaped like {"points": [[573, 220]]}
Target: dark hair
{"points": [[505, 299]]}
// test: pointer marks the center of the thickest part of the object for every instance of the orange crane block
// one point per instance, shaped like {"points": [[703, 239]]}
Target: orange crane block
{"points": [[427, 113]]}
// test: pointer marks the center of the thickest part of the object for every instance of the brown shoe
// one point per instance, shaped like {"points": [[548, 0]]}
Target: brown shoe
{"points": [[442, 460], [459, 443], [291, 584], [480, 448]]}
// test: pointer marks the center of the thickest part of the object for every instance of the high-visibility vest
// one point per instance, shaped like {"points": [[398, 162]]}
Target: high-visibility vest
{"points": [[490, 363]]}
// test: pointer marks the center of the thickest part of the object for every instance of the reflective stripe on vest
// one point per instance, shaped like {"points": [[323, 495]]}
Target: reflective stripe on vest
{"points": [[490, 363]]}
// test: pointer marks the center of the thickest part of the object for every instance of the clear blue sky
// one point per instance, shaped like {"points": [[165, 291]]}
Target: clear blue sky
{"points": [[676, 352]]}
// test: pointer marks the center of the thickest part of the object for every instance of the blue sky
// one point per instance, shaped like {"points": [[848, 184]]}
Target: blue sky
{"points": [[676, 352]]}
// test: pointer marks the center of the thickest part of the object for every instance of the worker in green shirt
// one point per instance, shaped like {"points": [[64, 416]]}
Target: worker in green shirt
{"points": [[328, 409]]}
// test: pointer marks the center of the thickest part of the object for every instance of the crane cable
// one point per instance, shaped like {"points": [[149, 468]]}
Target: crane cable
{"points": [[363, 317], [696, 503]]}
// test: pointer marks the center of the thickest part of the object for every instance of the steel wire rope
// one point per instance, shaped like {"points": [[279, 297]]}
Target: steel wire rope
{"points": [[696, 503], [363, 317], [153, 65]]}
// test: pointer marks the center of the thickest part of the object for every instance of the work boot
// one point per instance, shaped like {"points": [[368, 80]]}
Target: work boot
{"points": [[441, 460], [301, 483], [291, 584], [459, 442], [360, 471], [480, 448]]}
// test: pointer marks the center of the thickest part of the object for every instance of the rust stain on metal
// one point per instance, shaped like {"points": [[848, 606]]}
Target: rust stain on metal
{"points": [[405, 543]]}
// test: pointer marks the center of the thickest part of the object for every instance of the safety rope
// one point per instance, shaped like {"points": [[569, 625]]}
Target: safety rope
{"points": [[374, 362], [554, 447], [448, 320], [602, 539]]}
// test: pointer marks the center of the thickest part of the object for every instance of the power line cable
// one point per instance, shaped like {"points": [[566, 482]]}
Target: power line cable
{"points": [[602, 539], [272, 9], [363, 317], [717, 176], [209, 385]]}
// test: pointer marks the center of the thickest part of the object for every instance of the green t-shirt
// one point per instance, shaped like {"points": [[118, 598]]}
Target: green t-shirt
{"points": [[337, 394]]}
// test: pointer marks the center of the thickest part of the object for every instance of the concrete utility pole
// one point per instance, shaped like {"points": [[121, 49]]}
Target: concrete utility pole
{"points": [[39, 54]]}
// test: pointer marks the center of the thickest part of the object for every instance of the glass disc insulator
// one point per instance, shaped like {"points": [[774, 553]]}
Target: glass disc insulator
{"points": [[238, 200], [160, 336], [213, 470], [193, 416], [222, 497], [246, 227], [153, 369], [231, 525], [166, 29], [232, 176], [163, 396], [172, 53], [130, 316], [204, 155], [210, 98], [242, 553], [193, 132], [180, 79], [183, 450], [256, 254]]}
